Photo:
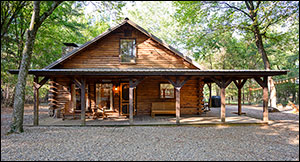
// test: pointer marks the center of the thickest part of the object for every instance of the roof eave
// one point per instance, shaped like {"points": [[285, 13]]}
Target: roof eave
{"points": [[153, 72]]}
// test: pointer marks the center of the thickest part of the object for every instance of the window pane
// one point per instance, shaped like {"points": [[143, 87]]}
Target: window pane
{"points": [[127, 49], [166, 90]]}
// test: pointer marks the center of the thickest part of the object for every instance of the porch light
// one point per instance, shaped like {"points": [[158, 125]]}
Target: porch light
{"points": [[116, 89]]}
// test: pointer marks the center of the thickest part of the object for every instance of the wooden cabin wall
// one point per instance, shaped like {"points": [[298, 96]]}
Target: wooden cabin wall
{"points": [[148, 91], [105, 53], [63, 96]]}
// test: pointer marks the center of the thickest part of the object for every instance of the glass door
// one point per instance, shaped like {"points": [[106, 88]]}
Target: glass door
{"points": [[104, 96]]}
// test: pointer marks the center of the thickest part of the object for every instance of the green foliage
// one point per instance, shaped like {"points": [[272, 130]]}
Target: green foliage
{"points": [[157, 18], [220, 34], [68, 23]]}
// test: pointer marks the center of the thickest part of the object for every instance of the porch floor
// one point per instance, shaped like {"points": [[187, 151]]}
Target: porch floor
{"points": [[209, 118]]}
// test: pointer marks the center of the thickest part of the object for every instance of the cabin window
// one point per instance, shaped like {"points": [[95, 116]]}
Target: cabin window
{"points": [[166, 90], [127, 50]]}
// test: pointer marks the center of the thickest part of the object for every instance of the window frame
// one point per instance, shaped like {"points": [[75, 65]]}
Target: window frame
{"points": [[163, 97], [120, 51]]}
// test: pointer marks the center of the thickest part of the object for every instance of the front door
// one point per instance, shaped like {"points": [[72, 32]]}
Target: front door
{"points": [[124, 99]]}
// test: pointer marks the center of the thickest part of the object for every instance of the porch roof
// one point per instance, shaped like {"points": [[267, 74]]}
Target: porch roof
{"points": [[152, 72]]}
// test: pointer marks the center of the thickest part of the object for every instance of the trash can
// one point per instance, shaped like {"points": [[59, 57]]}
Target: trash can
{"points": [[215, 101]]}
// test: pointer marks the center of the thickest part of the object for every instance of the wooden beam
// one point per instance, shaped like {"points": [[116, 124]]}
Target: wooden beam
{"points": [[83, 104], [226, 82], [177, 104], [239, 101], [223, 83], [178, 85], [77, 82], [260, 82], [218, 82], [223, 109], [36, 101], [243, 83], [134, 84], [184, 81], [73, 98], [264, 84], [239, 84], [171, 81], [42, 82], [131, 87], [209, 86]]}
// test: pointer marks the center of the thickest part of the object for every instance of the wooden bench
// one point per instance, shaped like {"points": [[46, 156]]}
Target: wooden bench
{"points": [[162, 108]]}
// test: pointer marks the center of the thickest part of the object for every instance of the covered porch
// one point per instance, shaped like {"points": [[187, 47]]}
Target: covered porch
{"points": [[176, 77], [205, 119]]}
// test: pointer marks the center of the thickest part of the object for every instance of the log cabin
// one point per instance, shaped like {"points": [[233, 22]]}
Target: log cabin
{"points": [[127, 71]]}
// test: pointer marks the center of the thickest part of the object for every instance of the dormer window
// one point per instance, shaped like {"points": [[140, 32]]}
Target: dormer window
{"points": [[127, 50]]}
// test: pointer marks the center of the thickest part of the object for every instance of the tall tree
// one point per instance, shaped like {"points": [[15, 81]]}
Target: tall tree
{"points": [[36, 21], [214, 18]]}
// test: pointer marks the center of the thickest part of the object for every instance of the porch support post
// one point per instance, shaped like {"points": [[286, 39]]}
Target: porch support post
{"points": [[223, 109], [177, 104], [223, 83], [178, 84], [36, 101], [73, 98], [239, 84], [209, 101], [132, 85], [36, 86], [83, 104], [239, 101], [130, 101], [264, 84]]}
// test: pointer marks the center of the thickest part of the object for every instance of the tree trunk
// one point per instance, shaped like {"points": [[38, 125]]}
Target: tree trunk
{"points": [[259, 44], [36, 21], [272, 91], [18, 112], [261, 49]]}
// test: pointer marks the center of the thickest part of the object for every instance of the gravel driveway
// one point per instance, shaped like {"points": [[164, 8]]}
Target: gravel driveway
{"points": [[278, 141]]}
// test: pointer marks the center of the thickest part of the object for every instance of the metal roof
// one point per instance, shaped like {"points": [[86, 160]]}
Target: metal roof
{"points": [[63, 58], [152, 72]]}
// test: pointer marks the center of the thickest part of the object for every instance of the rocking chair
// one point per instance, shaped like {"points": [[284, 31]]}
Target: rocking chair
{"points": [[99, 111]]}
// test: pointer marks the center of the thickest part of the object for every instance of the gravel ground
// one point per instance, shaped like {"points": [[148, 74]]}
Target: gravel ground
{"points": [[278, 141], [6, 115]]}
